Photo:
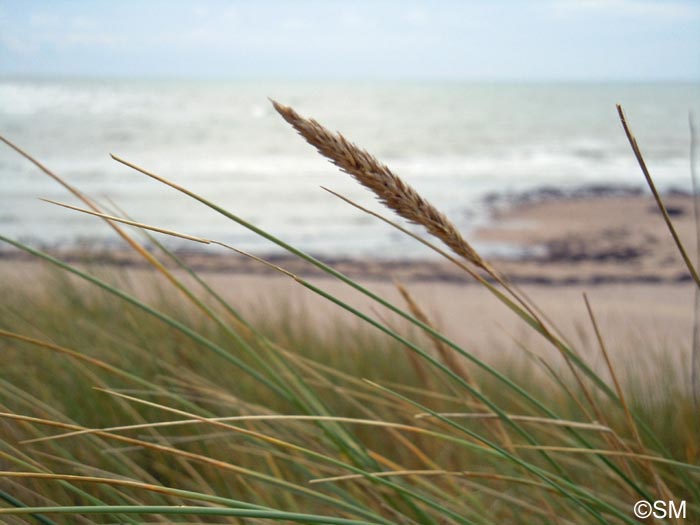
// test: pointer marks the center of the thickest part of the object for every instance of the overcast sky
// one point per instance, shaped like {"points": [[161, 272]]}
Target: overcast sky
{"points": [[500, 40]]}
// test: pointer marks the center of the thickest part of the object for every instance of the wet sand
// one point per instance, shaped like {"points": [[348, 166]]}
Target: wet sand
{"points": [[610, 238]]}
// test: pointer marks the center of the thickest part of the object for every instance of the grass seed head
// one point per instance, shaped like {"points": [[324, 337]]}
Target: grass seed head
{"points": [[388, 187]]}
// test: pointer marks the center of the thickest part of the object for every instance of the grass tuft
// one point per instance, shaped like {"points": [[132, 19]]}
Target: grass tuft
{"points": [[161, 398]]}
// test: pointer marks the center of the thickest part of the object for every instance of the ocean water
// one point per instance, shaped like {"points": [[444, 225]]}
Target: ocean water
{"points": [[454, 142]]}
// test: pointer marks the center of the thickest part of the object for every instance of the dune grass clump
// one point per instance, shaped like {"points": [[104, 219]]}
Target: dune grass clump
{"points": [[168, 403]]}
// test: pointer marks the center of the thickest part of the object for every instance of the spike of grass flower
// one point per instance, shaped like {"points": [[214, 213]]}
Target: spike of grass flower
{"points": [[389, 188]]}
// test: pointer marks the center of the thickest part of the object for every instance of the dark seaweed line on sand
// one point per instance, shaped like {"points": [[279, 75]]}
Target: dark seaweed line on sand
{"points": [[410, 271]]}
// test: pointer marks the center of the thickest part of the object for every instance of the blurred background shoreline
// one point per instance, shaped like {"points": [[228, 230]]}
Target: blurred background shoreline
{"points": [[464, 145]]}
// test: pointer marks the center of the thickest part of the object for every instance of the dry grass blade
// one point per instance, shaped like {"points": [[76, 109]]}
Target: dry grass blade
{"points": [[605, 452], [525, 419], [109, 481], [445, 354], [62, 350], [618, 388], [449, 358], [131, 223], [650, 182], [435, 472], [617, 443], [389, 188], [227, 419], [695, 356], [136, 246]]}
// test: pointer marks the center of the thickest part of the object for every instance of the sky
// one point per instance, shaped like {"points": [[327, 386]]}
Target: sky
{"points": [[526, 40]]}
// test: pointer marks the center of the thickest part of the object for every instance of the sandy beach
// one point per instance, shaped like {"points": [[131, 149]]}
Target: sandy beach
{"points": [[563, 240], [597, 240], [615, 248]]}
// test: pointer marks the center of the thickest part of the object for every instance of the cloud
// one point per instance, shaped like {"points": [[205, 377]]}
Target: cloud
{"points": [[416, 17], [387, 38], [627, 8], [32, 44]]}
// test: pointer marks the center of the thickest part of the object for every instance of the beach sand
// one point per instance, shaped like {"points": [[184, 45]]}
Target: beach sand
{"points": [[615, 249], [596, 240]]}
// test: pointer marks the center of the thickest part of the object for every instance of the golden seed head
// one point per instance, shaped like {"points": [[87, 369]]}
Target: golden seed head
{"points": [[389, 188]]}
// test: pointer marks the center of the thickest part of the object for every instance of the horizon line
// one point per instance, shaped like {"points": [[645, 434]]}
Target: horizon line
{"points": [[359, 79]]}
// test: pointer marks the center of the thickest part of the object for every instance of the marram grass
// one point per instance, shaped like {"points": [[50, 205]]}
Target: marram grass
{"points": [[123, 405]]}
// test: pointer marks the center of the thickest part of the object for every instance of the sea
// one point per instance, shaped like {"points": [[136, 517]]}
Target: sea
{"points": [[457, 143]]}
